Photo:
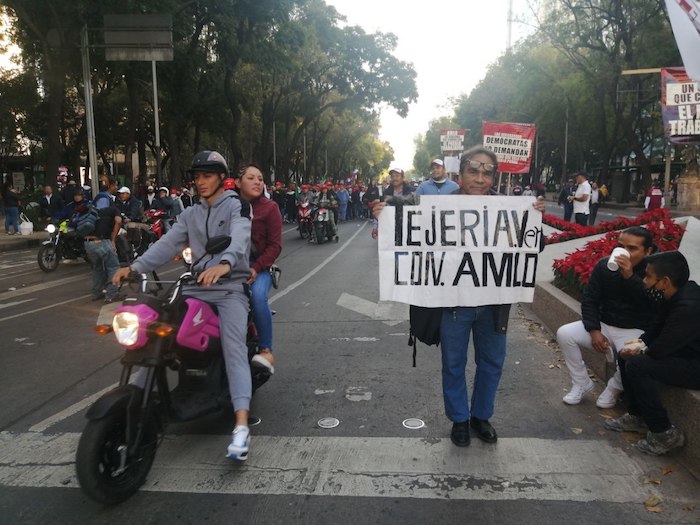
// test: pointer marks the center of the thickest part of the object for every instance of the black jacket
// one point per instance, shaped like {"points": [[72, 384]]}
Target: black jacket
{"points": [[676, 330], [610, 298], [51, 208]]}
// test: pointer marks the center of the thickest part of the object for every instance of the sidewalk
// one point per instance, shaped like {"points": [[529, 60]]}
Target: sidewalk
{"points": [[555, 308], [21, 242]]}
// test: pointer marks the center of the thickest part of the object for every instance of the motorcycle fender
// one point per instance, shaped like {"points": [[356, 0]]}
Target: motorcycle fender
{"points": [[49, 241], [115, 400]]}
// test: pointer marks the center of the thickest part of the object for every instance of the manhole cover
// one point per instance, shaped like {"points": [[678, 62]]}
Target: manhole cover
{"points": [[328, 422], [413, 423], [252, 421]]}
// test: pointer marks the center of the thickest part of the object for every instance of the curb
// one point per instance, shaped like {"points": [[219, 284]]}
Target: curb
{"points": [[13, 244], [555, 308]]}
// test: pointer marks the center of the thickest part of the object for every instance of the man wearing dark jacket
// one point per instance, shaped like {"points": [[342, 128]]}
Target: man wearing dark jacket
{"points": [[50, 204], [614, 309], [668, 353]]}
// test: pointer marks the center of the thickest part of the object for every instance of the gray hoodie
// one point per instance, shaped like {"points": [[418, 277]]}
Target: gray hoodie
{"points": [[228, 216]]}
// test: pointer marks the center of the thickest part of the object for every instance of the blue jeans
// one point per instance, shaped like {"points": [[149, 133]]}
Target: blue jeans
{"points": [[489, 355], [12, 218], [104, 262], [262, 315]]}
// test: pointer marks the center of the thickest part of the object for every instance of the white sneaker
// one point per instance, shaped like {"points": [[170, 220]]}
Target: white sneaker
{"points": [[261, 362], [608, 397], [240, 442], [577, 392]]}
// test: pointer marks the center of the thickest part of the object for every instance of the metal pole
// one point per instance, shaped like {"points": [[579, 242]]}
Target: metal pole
{"points": [[305, 153], [274, 152], [510, 23], [667, 172], [159, 175], [89, 113], [566, 144]]}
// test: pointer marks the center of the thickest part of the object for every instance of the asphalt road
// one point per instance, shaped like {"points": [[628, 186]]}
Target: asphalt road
{"points": [[339, 354]]}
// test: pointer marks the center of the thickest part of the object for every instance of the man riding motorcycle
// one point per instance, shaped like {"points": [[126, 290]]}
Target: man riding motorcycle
{"points": [[222, 277]]}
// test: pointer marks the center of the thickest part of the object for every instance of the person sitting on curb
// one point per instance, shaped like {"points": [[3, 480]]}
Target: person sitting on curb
{"points": [[667, 353], [614, 309]]}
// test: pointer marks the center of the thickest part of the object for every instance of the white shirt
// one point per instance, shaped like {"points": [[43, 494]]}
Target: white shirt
{"points": [[583, 207], [595, 196]]}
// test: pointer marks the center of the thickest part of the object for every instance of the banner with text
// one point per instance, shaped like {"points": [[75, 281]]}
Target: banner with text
{"points": [[680, 106], [459, 250], [685, 21], [512, 144], [452, 140]]}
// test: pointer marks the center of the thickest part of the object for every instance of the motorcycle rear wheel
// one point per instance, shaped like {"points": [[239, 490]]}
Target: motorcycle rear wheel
{"points": [[98, 459], [48, 258], [304, 232]]}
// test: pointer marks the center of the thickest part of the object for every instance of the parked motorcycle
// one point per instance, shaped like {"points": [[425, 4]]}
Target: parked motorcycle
{"points": [[63, 243], [323, 226], [305, 220], [125, 426]]}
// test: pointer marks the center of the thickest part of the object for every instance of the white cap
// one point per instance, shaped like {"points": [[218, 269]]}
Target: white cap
{"points": [[396, 169], [124, 189], [438, 162]]}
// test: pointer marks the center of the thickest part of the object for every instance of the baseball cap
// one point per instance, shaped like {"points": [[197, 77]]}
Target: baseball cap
{"points": [[124, 189], [438, 162], [396, 169]]}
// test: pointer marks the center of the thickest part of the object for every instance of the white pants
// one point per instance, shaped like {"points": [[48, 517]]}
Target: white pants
{"points": [[573, 336]]}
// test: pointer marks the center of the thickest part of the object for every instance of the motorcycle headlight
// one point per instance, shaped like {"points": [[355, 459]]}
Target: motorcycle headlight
{"points": [[51, 228], [187, 255], [320, 218], [126, 328]]}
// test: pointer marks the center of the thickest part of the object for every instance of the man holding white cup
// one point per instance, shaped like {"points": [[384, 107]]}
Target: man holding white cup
{"points": [[614, 309]]}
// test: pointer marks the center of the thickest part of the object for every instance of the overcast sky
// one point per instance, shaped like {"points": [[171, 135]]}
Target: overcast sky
{"points": [[449, 42]]}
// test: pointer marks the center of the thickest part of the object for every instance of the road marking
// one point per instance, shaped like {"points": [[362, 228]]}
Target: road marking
{"points": [[290, 230], [73, 409], [44, 308], [7, 305], [389, 312], [515, 468], [40, 287], [318, 268]]}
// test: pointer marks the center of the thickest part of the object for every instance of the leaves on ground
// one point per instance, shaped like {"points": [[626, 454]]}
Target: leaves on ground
{"points": [[577, 430], [652, 504], [666, 470]]}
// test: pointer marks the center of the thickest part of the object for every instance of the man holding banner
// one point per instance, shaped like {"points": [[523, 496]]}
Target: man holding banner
{"points": [[473, 258]]}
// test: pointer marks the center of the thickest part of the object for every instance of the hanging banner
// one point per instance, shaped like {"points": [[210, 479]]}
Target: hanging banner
{"points": [[680, 102], [459, 250], [685, 21], [512, 144]]}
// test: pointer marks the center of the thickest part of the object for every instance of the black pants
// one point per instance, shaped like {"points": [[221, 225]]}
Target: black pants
{"points": [[641, 376], [581, 219], [593, 214], [568, 211]]}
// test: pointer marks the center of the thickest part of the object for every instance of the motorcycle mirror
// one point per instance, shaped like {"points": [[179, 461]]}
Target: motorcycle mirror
{"points": [[217, 244]]}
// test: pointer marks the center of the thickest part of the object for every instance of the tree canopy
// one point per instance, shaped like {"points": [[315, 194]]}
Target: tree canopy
{"points": [[287, 84]]}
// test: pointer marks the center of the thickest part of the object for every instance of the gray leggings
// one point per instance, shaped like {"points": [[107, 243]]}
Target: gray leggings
{"points": [[232, 304]]}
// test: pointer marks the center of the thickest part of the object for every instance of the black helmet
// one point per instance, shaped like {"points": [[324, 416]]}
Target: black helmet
{"points": [[209, 161]]}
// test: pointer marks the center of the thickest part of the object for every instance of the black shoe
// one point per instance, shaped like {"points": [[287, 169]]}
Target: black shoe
{"points": [[484, 431], [460, 434]]}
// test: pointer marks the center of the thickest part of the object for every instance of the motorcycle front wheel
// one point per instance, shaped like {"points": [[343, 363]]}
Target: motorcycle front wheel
{"points": [[304, 232], [106, 473], [48, 258], [320, 233]]}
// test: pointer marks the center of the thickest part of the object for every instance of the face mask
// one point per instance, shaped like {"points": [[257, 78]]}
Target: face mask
{"points": [[656, 295]]}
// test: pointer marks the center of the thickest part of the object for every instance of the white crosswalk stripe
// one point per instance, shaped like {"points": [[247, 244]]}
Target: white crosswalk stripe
{"points": [[515, 468]]}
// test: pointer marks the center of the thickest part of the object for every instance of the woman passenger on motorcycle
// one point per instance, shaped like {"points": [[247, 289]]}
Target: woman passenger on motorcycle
{"points": [[266, 237]]}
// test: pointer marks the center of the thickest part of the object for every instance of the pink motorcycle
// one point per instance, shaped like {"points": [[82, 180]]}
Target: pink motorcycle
{"points": [[125, 426]]}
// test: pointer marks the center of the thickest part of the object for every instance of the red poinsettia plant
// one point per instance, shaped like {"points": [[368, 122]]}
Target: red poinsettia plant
{"points": [[571, 273], [571, 230]]}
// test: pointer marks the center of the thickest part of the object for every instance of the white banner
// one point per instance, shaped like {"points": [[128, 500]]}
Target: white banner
{"points": [[685, 21], [459, 250]]}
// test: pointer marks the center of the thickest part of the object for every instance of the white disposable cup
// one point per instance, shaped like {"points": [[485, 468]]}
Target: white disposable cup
{"points": [[612, 265]]}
